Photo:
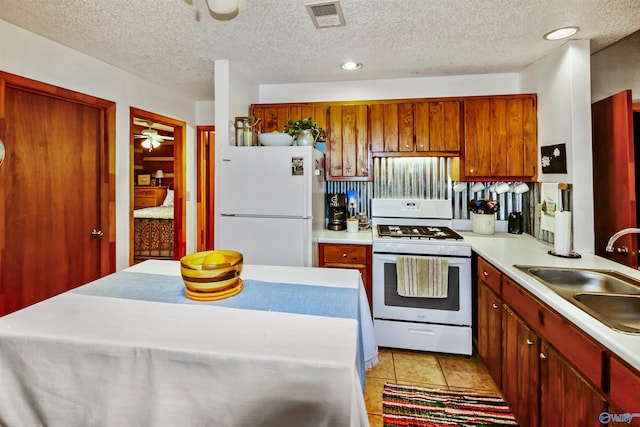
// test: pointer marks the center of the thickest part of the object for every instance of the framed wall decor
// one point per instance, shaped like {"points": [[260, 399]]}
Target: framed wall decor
{"points": [[144, 179], [553, 158]]}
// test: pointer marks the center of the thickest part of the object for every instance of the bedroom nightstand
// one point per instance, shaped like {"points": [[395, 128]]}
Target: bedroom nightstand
{"points": [[145, 197]]}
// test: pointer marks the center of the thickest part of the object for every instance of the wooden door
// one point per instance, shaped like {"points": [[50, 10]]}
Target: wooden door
{"points": [[490, 331], [205, 206], [614, 192], [55, 234], [566, 397], [520, 369], [438, 126]]}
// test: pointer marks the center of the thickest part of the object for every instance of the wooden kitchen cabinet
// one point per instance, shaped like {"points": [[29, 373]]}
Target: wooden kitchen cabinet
{"points": [[520, 368], [146, 197], [489, 344], [624, 388], [348, 155], [337, 255], [566, 399], [392, 127], [438, 126], [276, 116], [552, 373], [500, 139]]}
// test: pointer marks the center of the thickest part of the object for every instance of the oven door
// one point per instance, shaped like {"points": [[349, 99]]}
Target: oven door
{"points": [[453, 310]]}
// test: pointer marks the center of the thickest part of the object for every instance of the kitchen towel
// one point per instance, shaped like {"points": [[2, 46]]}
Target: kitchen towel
{"points": [[562, 234], [549, 201], [426, 277]]}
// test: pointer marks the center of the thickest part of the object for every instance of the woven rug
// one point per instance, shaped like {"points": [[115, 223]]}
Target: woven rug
{"points": [[410, 406]]}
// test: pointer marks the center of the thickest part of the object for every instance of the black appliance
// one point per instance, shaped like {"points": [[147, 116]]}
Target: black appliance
{"points": [[515, 223], [337, 204]]}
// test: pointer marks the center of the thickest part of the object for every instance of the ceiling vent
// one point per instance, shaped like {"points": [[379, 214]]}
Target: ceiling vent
{"points": [[326, 14]]}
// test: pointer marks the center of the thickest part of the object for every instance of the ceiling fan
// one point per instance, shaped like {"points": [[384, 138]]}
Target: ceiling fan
{"points": [[152, 138]]}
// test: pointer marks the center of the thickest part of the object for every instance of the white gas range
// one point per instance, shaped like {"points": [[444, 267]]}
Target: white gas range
{"points": [[420, 229]]}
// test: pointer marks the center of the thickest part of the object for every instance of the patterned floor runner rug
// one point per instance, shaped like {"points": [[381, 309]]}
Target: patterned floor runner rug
{"points": [[409, 406]]}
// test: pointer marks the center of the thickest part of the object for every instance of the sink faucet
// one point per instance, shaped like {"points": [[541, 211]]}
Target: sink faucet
{"points": [[619, 234]]}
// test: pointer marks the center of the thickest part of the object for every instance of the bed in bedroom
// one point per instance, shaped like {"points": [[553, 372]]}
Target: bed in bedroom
{"points": [[153, 231]]}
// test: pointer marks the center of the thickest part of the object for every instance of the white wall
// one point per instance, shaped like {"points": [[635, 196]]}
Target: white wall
{"points": [[29, 55], [234, 93], [427, 87], [562, 81], [617, 68]]}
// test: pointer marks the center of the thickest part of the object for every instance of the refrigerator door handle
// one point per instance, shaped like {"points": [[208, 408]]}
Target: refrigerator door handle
{"points": [[264, 216]]}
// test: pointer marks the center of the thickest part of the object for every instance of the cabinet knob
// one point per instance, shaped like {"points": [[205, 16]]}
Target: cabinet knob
{"points": [[529, 342], [96, 233], [472, 171], [542, 356], [485, 273], [494, 305], [344, 255]]}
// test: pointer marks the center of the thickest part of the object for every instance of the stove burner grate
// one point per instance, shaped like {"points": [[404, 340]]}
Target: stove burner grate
{"points": [[418, 232]]}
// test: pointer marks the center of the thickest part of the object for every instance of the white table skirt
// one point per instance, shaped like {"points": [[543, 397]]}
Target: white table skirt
{"points": [[79, 360]]}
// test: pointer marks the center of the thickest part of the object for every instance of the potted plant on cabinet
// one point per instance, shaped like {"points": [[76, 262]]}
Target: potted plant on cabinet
{"points": [[306, 131]]}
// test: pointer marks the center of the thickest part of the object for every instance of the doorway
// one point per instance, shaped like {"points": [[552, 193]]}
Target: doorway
{"points": [[157, 180]]}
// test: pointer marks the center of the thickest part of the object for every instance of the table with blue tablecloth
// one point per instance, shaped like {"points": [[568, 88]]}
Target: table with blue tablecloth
{"points": [[130, 349]]}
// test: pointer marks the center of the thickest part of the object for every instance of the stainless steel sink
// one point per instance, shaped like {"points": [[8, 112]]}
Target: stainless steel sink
{"points": [[621, 312], [611, 297], [604, 281]]}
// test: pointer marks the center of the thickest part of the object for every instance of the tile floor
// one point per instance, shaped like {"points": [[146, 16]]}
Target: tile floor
{"points": [[435, 370]]}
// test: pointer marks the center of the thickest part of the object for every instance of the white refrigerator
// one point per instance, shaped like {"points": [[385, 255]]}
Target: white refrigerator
{"points": [[271, 204]]}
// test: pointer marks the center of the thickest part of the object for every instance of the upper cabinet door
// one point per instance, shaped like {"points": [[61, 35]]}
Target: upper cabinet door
{"points": [[438, 126], [391, 127], [500, 138], [348, 155]]}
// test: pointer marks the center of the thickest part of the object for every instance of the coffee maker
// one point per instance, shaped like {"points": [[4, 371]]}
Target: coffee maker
{"points": [[337, 212]]}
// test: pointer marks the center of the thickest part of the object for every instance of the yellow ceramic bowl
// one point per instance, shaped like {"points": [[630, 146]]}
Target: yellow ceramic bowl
{"points": [[210, 271]]}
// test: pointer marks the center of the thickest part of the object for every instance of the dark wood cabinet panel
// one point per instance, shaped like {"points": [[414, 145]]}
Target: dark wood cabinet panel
{"points": [[625, 387], [566, 399], [490, 275], [489, 343], [520, 369]]}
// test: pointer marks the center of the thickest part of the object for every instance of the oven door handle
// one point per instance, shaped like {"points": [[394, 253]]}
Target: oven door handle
{"points": [[421, 331]]}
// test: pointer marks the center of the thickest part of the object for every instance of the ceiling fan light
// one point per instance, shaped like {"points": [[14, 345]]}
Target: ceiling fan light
{"points": [[561, 33]]}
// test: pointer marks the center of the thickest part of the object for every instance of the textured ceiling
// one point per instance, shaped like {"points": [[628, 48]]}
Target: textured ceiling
{"points": [[174, 42]]}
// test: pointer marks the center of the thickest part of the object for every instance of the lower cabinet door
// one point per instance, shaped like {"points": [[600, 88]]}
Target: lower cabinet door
{"points": [[490, 331], [520, 369], [566, 397]]}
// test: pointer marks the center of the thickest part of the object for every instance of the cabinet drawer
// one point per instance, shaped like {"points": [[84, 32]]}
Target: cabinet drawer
{"points": [[345, 254], [625, 387], [489, 275], [145, 202]]}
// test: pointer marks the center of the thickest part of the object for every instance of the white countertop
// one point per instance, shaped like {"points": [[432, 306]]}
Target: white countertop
{"points": [[344, 237], [505, 250]]}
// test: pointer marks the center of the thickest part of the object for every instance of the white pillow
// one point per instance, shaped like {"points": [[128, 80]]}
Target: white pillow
{"points": [[168, 200]]}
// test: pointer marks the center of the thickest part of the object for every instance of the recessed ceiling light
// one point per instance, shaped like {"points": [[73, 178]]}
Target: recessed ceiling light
{"points": [[561, 33], [350, 66]]}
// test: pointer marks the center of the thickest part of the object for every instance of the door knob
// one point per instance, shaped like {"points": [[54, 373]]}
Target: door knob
{"points": [[96, 233]]}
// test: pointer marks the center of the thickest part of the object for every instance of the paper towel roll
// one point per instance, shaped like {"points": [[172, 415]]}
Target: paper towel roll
{"points": [[562, 236]]}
